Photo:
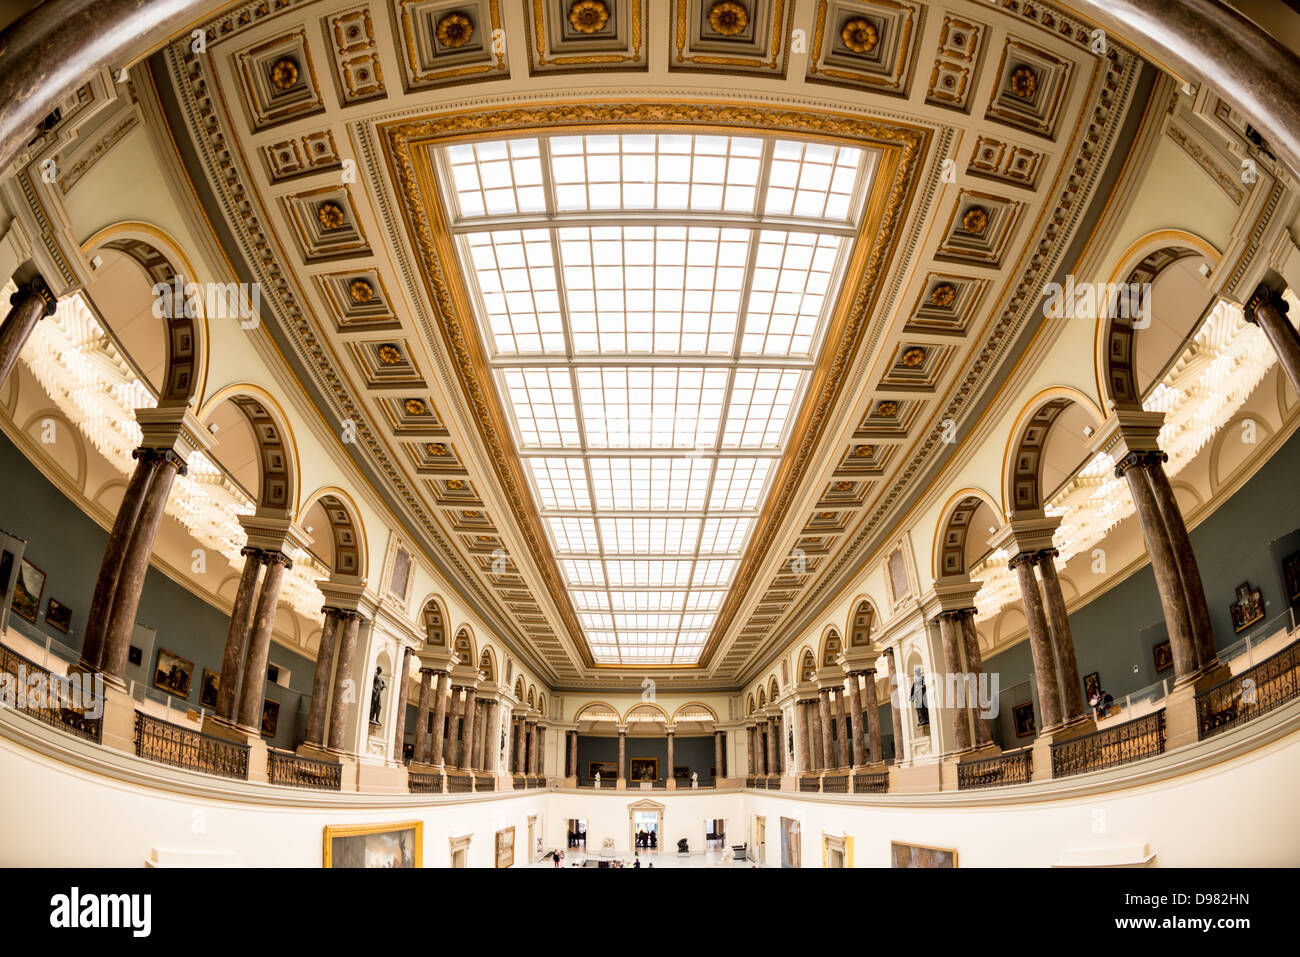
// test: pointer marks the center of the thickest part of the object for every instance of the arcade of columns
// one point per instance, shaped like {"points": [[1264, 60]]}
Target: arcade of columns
{"points": [[670, 732]]}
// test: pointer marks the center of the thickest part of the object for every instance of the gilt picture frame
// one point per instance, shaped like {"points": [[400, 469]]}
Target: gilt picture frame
{"points": [[399, 845]]}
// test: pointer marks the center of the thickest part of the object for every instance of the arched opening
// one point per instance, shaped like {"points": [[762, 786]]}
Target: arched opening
{"points": [[864, 616], [336, 539], [435, 624], [464, 648], [808, 667], [832, 646], [254, 447], [962, 538], [487, 669], [1047, 447]]}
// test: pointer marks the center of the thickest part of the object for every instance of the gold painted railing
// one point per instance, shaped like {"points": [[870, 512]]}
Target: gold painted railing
{"points": [[876, 782], [1010, 767], [1268, 685], [419, 783], [44, 706], [169, 743], [1134, 740], [284, 767]]}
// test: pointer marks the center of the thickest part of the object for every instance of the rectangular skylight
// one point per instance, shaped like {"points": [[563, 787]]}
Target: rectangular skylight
{"points": [[652, 305]]}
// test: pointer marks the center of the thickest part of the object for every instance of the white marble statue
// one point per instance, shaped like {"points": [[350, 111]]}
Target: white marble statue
{"points": [[695, 779], [597, 780]]}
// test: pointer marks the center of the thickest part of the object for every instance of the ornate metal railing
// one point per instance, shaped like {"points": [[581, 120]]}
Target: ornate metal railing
{"points": [[1010, 767], [810, 784], [1131, 741], [835, 784], [485, 782], [749, 782], [180, 747], [871, 783], [1268, 685], [295, 771], [459, 784], [46, 698], [418, 783]]}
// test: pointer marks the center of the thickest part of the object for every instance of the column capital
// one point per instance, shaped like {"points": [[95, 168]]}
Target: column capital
{"points": [[856, 661], [346, 596], [155, 456], [38, 288], [1261, 297], [272, 556], [1141, 459], [437, 658], [174, 427], [350, 615], [1125, 431], [1025, 531], [1029, 558]]}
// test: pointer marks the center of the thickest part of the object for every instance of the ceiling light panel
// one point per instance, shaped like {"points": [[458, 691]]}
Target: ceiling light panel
{"points": [[652, 306]]}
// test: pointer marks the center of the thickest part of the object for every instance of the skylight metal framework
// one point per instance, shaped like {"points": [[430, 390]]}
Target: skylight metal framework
{"points": [[652, 305]]}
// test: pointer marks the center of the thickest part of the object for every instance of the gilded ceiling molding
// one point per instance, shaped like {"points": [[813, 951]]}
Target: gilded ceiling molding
{"points": [[902, 150]]}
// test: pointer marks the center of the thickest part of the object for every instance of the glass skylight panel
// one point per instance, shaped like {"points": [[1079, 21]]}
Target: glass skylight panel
{"points": [[652, 305], [671, 290]]}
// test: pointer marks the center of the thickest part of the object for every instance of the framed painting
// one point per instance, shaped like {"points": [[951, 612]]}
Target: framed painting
{"points": [[1163, 655], [791, 852], [505, 847], [1290, 575], [208, 688], [608, 770], [1023, 715], [135, 655], [643, 769], [681, 772], [270, 717], [27, 590], [919, 855], [1248, 608], [376, 845], [1091, 685], [172, 674], [59, 615]]}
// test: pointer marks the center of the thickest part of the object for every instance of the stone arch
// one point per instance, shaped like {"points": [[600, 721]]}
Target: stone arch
{"points": [[645, 711], [66, 437], [532, 698], [463, 645], [1022, 467], [1115, 350], [541, 702], [952, 532], [773, 689], [277, 460], [435, 623], [861, 621], [694, 704], [520, 694], [749, 704], [598, 710], [762, 698], [807, 665], [487, 665], [347, 534], [1228, 436], [832, 645], [167, 265]]}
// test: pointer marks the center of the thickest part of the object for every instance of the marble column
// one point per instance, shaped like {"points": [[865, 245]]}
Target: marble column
{"points": [[259, 645], [350, 625], [479, 760], [467, 731], [717, 755], [668, 774], [774, 747], [952, 665], [436, 755], [320, 681], [403, 679], [855, 720], [1189, 572], [541, 749], [491, 735], [801, 736], [1040, 643], [573, 754], [29, 305], [782, 747], [521, 746], [241, 616], [454, 719], [828, 740], [895, 705], [1268, 310], [1164, 565], [422, 715], [975, 663], [871, 709], [815, 745], [841, 728], [1067, 666], [101, 604], [135, 564], [622, 756]]}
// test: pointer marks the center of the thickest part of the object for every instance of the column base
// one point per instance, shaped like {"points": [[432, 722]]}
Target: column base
{"points": [[119, 719], [671, 784], [620, 784]]}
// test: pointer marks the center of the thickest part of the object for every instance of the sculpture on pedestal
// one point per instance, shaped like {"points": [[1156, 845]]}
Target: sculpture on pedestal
{"points": [[376, 695]]}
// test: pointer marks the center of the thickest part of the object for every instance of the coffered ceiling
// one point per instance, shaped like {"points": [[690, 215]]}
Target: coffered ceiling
{"points": [[628, 302]]}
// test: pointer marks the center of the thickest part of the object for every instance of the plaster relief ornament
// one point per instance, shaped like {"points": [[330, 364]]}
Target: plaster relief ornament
{"points": [[728, 18], [1024, 82], [413, 407], [389, 354], [454, 30], [330, 215], [859, 35], [887, 408], [913, 358], [588, 16], [943, 295], [975, 220], [361, 291], [284, 74]]}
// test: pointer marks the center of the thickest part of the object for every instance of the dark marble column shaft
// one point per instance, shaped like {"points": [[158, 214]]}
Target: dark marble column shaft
{"points": [[815, 744], [841, 728], [622, 755], [828, 739], [895, 705], [952, 665], [241, 618], [259, 645], [717, 754], [1040, 642], [1268, 310], [437, 745], [871, 708], [350, 627], [668, 774], [422, 715], [855, 721], [975, 662], [467, 730], [29, 305], [320, 680], [403, 678], [1067, 666]]}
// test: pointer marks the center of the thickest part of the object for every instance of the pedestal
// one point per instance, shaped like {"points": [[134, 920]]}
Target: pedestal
{"points": [[119, 719], [380, 778], [1042, 746], [915, 778]]}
